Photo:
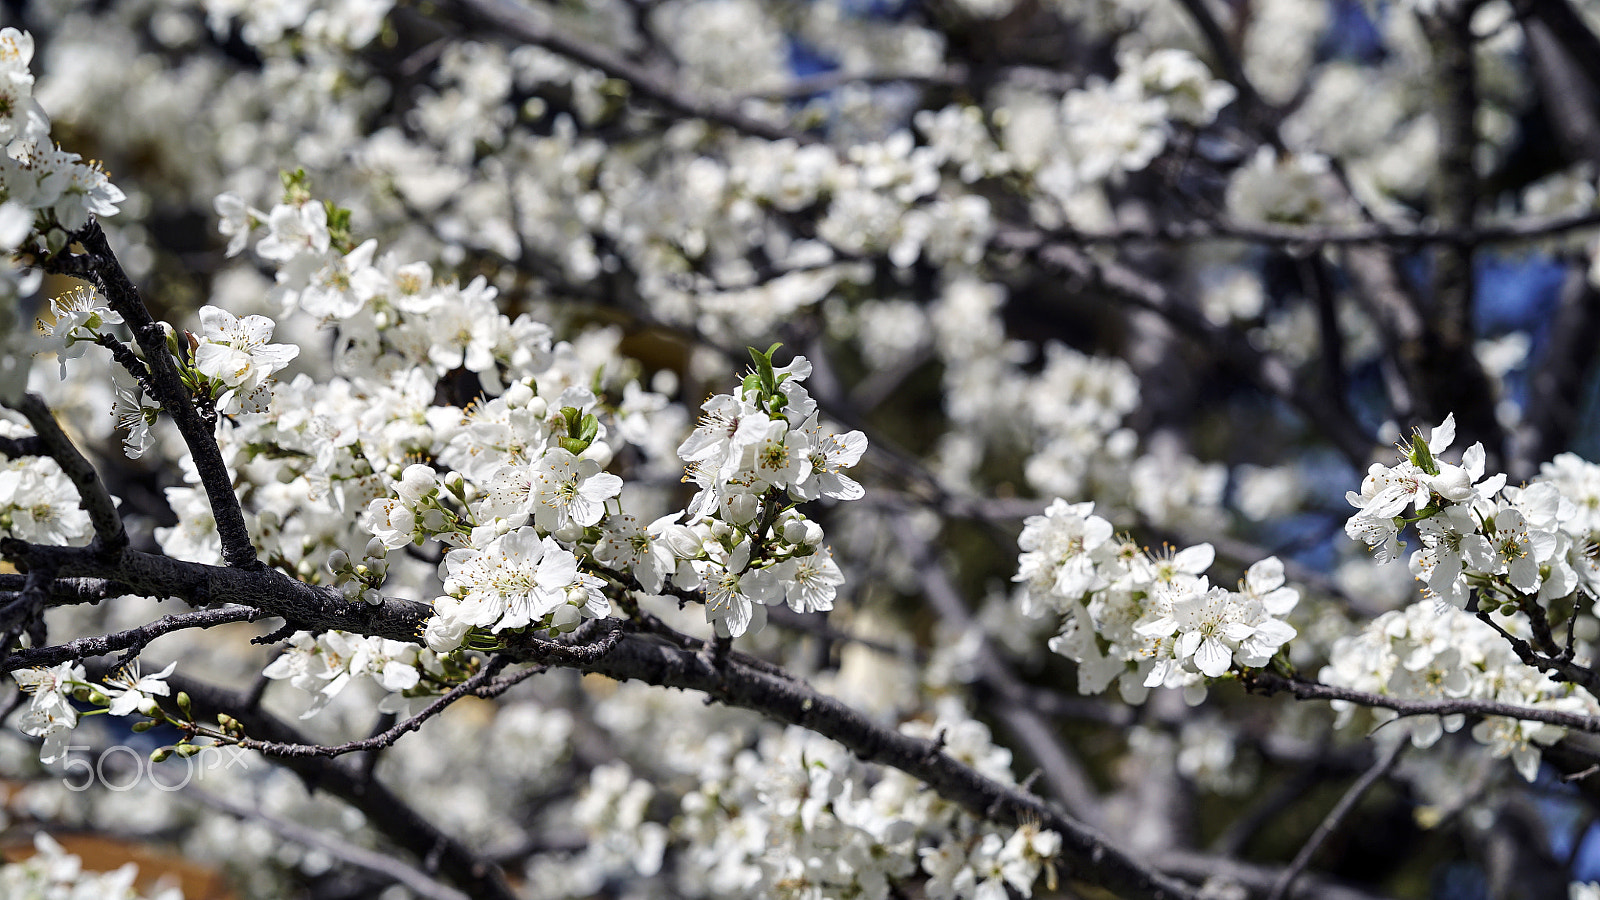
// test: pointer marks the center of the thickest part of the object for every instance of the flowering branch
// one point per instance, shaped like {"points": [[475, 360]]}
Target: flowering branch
{"points": [[1268, 683], [99, 264]]}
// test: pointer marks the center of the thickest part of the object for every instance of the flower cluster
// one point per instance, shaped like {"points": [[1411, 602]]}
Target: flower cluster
{"points": [[1423, 653], [57, 189], [38, 503], [324, 665], [1150, 620], [753, 456], [798, 812], [1510, 545], [234, 354], [52, 692]]}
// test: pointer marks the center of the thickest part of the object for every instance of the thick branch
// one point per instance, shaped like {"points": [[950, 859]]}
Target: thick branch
{"points": [[267, 590]]}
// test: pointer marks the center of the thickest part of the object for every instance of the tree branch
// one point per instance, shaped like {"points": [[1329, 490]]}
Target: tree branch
{"points": [[99, 265]]}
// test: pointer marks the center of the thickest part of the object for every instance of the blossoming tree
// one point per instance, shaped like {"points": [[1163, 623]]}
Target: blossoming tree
{"points": [[735, 448]]}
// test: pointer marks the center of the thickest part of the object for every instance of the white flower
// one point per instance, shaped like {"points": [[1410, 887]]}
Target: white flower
{"points": [[568, 488], [643, 551], [235, 351], [50, 714], [732, 590], [830, 455], [129, 691], [809, 582]]}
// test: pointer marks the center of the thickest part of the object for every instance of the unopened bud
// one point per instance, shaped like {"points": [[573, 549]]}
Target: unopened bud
{"points": [[188, 750], [338, 561], [160, 754], [565, 617]]}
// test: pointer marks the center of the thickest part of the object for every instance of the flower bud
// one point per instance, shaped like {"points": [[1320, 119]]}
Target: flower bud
{"points": [[742, 508], [160, 754], [599, 451], [538, 408], [518, 395], [569, 532], [188, 750], [376, 550], [338, 561], [564, 617]]}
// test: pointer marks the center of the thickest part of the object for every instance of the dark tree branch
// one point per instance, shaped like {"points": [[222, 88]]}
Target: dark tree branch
{"points": [[310, 607], [1265, 682], [133, 640], [99, 265], [68, 591]]}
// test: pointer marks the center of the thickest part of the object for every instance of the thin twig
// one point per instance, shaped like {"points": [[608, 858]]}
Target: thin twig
{"points": [[134, 639], [1380, 768]]}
